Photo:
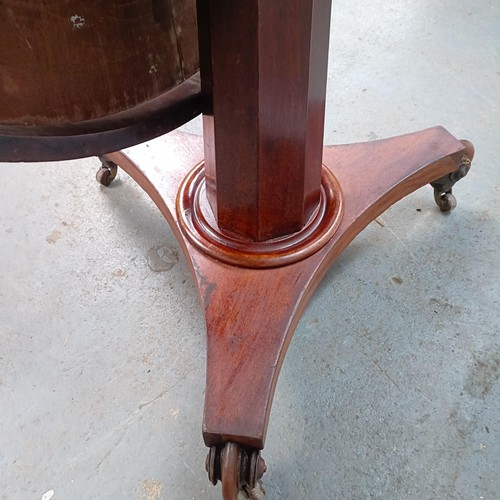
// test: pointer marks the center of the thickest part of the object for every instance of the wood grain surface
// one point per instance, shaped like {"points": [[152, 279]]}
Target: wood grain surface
{"points": [[263, 70], [71, 60], [251, 313]]}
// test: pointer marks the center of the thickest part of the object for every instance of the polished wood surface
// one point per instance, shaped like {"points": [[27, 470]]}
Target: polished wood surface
{"points": [[263, 66], [251, 313]]}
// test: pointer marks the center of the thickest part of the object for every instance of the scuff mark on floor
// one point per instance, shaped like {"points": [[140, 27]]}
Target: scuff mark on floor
{"points": [[150, 489]]}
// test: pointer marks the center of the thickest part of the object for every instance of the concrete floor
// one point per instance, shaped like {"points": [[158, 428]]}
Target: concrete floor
{"points": [[391, 385]]}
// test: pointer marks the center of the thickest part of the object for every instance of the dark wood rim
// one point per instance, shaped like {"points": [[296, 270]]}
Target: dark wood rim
{"points": [[103, 135]]}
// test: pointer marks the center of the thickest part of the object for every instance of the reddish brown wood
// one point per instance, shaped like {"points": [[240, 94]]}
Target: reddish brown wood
{"points": [[251, 313], [263, 72], [200, 227]]}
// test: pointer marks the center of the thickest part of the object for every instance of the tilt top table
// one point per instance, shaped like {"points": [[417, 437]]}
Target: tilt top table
{"points": [[259, 207]]}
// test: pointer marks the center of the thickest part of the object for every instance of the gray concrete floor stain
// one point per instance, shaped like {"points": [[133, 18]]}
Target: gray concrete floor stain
{"points": [[162, 258], [390, 388]]}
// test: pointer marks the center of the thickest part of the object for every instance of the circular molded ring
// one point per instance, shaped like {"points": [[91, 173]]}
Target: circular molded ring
{"points": [[200, 228]]}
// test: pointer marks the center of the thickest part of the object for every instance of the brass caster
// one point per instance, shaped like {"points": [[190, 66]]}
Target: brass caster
{"points": [[445, 201], [230, 473], [443, 186], [239, 469], [107, 172]]}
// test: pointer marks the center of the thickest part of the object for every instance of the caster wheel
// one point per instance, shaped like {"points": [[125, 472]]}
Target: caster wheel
{"points": [[230, 472], [107, 172], [239, 469], [443, 186], [445, 201]]}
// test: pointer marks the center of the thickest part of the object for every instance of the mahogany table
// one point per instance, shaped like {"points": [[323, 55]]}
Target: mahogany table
{"points": [[259, 207]]}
